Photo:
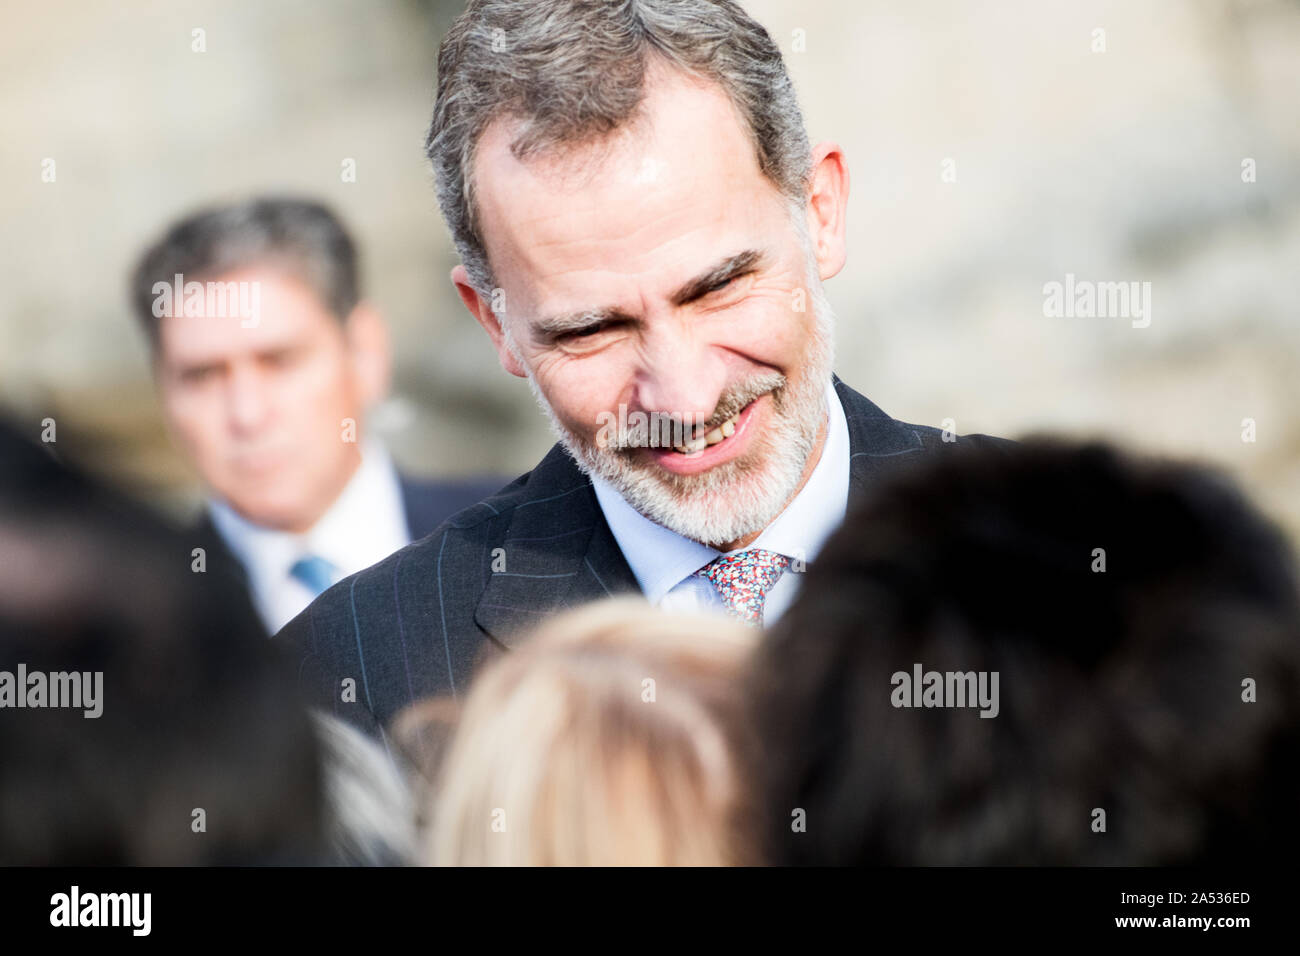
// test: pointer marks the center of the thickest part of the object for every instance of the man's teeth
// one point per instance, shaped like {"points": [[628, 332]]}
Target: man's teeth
{"points": [[725, 430]]}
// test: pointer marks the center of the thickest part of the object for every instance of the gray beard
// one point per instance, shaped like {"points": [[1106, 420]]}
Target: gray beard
{"points": [[742, 497]]}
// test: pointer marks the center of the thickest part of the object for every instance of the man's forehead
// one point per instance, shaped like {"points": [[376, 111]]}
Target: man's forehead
{"points": [[684, 168], [286, 312], [673, 118]]}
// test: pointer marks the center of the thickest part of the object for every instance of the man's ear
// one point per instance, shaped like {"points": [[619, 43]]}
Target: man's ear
{"points": [[828, 201], [483, 314], [370, 352]]}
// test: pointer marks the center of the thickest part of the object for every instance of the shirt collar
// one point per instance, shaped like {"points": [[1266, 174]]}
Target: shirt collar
{"points": [[368, 521], [661, 559], [339, 536]]}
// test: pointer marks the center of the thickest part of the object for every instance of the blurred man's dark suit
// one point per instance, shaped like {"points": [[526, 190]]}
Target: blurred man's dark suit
{"points": [[418, 623]]}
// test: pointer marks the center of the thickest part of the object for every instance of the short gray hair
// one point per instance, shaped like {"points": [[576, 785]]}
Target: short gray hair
{"points": [[298, 236], [574, 71]]}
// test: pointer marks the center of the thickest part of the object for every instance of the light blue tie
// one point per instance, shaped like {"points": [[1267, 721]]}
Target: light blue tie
{"points": [[313, 571]]}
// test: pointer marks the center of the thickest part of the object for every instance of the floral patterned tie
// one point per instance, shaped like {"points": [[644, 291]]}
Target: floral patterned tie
{"points": [[743, 579]]}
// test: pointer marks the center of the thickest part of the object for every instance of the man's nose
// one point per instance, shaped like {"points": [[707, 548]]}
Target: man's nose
{"points": [[247, 402], [680, 377]]}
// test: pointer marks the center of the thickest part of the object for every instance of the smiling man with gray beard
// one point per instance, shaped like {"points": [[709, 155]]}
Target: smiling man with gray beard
{"points": [[644, 230]]}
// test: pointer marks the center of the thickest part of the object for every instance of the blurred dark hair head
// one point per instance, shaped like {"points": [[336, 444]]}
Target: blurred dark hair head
{"points": [[1119, 689], [298, 237], [198, 709]]}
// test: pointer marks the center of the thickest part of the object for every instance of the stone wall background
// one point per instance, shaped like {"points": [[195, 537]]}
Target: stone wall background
{"points": [[1116, 165]]}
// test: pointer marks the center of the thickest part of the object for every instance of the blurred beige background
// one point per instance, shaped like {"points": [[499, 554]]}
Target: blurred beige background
{"points": [[1122, 165]]}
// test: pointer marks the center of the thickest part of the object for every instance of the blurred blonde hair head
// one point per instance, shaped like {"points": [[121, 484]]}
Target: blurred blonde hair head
{"points": [[612, 736]]}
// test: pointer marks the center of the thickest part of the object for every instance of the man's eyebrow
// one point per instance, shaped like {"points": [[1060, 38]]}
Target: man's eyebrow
{"points": [[728, 268], [552, 327]]}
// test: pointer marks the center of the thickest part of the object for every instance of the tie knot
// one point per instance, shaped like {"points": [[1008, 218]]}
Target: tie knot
{"points": [[743, 580], [313, 571]]}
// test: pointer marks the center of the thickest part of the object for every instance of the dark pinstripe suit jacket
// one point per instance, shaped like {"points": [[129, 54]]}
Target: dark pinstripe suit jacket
{"points": [[418, 622]]}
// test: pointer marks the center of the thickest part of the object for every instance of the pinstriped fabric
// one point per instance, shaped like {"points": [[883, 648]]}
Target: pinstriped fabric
{"points": [[442, 613], [595, 574], [401, 628], [356, 629]]}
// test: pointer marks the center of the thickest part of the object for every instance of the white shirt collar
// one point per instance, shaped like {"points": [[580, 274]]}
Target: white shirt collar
{"points": [[660, 559], [365, 524]]}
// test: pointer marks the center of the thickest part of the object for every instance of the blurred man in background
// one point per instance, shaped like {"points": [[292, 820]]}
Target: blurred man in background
{"points": [[1142, 621], [267, 359]]}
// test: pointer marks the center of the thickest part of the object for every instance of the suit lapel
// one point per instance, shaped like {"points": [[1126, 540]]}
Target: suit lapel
{"points": [[604, 571], [875, 439], [557, 552]]}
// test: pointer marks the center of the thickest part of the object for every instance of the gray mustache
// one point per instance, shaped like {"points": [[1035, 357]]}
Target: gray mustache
{"points": [[731, 402]]}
